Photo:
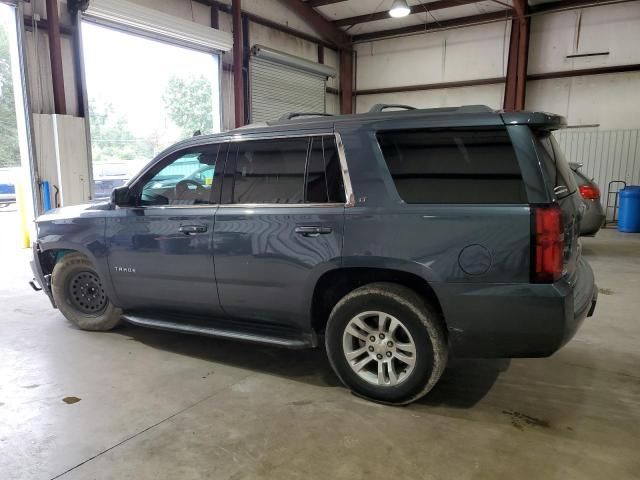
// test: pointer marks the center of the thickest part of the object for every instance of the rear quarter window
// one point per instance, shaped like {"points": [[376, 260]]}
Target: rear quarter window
{"points": [[560, 175], [453, 166]]}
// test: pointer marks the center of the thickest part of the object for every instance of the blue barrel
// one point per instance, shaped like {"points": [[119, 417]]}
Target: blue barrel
{"points": [[629, 216]]}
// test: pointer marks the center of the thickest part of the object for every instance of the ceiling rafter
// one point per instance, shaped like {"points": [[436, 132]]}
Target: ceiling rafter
{"points": [[321, 25], [320, 3], [419, 8], [505, 14]]}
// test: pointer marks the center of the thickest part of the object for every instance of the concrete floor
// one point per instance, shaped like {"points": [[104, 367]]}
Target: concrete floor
{"points": [[151, 404]]}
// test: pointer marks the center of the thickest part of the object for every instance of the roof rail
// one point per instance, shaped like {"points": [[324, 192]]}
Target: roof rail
{"points": [[379, 107], [291, 115], [475, 109]]}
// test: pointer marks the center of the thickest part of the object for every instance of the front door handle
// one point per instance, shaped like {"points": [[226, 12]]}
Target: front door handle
{"points": [[192, 229], [309, 231]]}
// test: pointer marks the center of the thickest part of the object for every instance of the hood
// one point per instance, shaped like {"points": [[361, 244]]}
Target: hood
{"points": [[75, 211]]}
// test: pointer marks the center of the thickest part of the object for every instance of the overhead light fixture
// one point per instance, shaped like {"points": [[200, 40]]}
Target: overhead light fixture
{"points": [[399, 8]]}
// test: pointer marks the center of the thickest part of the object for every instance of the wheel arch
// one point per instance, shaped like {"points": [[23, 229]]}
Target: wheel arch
{"points": [[336, 283], [50, 254]]}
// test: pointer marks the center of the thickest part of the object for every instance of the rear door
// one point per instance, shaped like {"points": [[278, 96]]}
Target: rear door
{"points": [[280, 225]]}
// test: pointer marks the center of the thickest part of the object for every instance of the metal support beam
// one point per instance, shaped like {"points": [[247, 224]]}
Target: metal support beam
{"points": [[246, 51], [321, 25], [500, 15], [346, 81], [44, 26], [223, 7], [215, 17], [238, 55], [516, 81], [431, 86], [419, 8], [320, 3], [55, 57], [566, 5], [76, 44]]}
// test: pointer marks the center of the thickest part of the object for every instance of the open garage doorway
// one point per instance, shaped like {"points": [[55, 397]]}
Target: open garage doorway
{"points": [[143, 95], [16, 193]]}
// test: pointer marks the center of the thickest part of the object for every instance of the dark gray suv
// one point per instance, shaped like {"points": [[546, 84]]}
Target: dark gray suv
{"points": [[396, 238]]}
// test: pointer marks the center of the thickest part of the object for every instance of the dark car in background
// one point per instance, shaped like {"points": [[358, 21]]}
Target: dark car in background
{"points": [[396, 239], [593, 216]]}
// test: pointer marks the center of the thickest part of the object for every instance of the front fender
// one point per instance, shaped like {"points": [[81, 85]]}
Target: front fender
{"points": [[85, 235]]}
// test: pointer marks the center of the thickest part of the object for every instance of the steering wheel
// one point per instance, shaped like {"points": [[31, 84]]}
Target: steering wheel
{"points": [[184, 186]]}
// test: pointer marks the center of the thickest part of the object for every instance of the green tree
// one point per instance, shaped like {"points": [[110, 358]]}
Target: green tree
{"points": [[188, 102], [111, 137], [9, 148]]}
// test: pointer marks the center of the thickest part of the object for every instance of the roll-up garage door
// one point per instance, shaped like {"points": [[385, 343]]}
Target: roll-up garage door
{"points": [[282, 83]]}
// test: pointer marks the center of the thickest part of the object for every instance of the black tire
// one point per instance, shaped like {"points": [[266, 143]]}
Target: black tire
{"points": [[420, 320], [71, 277]]}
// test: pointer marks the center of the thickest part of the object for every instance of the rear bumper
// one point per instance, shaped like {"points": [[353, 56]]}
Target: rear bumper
{"points": [[39, 278], [525, 320]]}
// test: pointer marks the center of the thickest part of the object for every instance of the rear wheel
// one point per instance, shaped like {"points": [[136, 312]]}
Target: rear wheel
{"points": [[386, 343], [79, 294]]}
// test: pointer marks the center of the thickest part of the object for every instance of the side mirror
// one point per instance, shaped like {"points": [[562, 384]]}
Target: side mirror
{"points": [[121, 196]]}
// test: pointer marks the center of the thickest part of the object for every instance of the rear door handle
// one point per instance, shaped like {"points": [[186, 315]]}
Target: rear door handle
{"points": [[192, 229], [309, 231]]}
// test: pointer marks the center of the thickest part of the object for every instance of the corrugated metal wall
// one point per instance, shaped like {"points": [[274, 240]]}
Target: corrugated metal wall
{"points": [[607, 155], [279, 89]]}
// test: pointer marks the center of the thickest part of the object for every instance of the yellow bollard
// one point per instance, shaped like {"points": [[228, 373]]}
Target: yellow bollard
{"points": [[22, 213]]}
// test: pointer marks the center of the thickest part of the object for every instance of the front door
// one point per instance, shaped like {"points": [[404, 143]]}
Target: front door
{"points": [[160, 249], [279, 227]]}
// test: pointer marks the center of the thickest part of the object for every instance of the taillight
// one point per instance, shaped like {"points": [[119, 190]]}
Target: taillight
{"points": [[589, 192], [548, 244]]}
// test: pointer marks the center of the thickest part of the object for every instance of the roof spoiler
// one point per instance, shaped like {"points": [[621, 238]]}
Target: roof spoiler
{"points": [[547, 121]]}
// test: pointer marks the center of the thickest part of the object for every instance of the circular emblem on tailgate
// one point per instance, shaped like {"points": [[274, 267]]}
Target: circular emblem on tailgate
{"points": [[475, 259]]}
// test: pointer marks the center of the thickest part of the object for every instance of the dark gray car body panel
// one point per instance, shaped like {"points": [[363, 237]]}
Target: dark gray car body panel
{"points": [[251, 265]]}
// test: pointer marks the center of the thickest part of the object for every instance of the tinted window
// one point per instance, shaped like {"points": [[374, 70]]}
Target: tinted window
{"points": [[324, 177], [453, 166], [185, 178], [556, 166], [270, 171]]}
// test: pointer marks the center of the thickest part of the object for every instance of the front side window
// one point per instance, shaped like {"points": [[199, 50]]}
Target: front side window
{"points": [[187, 178], [453, 166]]}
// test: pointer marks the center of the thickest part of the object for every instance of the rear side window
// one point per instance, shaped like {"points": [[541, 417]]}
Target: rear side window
{"points": [[270, 171], [453, 166], [324, 177], [284, 171]]}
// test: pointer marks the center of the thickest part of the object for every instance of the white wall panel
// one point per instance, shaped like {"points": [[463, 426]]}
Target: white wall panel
{"points": [[261, 35], [611, 100], [452, 55], [612, 28], [490, 95], [332, 59]]}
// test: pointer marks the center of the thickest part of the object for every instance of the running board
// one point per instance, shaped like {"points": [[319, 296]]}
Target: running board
{"points": [[233, 330]]}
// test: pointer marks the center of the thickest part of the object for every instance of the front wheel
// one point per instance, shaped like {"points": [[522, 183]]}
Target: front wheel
{"points": [[386, 343], [79, 295]]}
